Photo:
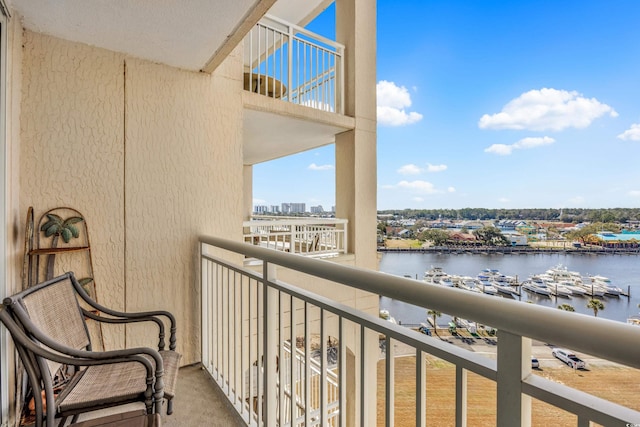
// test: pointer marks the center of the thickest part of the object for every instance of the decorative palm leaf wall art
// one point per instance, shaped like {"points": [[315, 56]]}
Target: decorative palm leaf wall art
{"points": [[57, 243]]}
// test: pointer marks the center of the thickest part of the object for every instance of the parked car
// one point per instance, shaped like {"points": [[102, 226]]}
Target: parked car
{"points": [[569, 358], [534, 362]]}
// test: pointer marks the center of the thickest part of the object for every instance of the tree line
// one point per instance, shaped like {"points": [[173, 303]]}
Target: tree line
{"points": [[570, 215]]}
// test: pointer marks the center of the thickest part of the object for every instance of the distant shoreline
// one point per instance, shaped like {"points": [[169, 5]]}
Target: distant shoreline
{"points": [[513, 250]]}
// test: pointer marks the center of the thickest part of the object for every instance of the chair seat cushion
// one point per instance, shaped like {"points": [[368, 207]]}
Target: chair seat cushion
{"points": [[103, 385], [115, 383]]}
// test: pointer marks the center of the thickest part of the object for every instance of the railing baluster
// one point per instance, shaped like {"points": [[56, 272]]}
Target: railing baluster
{"points": [[362, 394], [421, 389], [293, 367], [389, 381], [323, 369], [342, 375], [461, 396], [280, 360], [307, 361]]}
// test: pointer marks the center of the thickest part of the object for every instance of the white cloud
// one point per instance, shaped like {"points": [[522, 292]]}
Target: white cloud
{"points": [[547, 109], [436, 168], [500, 149], [503, 200], [259, 201], [631, 134], [417, 199], [315, 167], [409, 169], [392, 102], [418, 186], [634, 193], [523, 144], [451, 189]]}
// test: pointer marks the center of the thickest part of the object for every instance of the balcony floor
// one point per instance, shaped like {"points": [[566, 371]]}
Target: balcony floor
{"points": [[198, 402]]}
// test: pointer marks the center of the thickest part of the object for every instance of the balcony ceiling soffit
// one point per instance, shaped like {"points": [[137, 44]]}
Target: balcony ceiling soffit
{"points": [[183, 34], [269, 136]]}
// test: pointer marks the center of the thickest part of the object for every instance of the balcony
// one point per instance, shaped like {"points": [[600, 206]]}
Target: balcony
{"points": [[251, 321], [318, 237], [287, 62]]}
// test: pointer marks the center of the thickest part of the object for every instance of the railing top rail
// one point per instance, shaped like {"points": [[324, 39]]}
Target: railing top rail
{"points": [[297, 29], [541, 323]]}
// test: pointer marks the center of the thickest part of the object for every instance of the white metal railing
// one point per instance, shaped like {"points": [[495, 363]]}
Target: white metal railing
{"points": [[294, 383], [249, 316], [308, 236], [291, 63]]}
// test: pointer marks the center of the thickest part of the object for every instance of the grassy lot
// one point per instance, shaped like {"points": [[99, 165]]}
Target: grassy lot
{"points": [[402, 243], [617, 384]]}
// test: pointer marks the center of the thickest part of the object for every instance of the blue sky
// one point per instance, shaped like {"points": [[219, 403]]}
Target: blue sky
{"points": [[494, 104]]}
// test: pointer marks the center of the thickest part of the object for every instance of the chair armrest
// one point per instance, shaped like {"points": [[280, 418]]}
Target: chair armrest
{"points": [[124, 315], [116, 320]]}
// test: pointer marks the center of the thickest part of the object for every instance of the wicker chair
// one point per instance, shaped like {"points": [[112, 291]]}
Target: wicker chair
{"points": [[48, 326]]}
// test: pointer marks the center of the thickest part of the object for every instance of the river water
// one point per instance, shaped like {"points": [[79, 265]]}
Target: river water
{"points": [[623, 270]]}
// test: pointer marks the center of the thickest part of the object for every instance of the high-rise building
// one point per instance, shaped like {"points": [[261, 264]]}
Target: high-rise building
{"points": [[293, 208]]}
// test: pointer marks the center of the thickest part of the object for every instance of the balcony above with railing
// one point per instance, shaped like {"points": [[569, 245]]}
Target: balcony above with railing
{"points": [[315, 237], [287, 62], [294, 97]]}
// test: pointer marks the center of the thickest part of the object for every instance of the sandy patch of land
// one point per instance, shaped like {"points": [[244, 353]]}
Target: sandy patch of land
{"points": [[604, 379]]}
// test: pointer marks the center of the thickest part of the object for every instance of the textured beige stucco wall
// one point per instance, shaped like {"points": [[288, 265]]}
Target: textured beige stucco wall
{"points": [[151, 155], [183, 178], [71, 147]]}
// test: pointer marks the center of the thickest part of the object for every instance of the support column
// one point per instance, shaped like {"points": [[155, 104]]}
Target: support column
{"points": [[356, 169]]}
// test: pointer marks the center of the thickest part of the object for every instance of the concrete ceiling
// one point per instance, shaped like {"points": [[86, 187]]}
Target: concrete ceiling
{"points": [[182, 33], [269, 136]]}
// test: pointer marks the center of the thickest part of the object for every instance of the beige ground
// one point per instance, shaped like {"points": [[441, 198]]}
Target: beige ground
{"points": [[601, 378]]}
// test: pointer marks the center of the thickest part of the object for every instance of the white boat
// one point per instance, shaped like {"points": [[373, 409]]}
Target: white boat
{"points": [[605, 284], [469, 284], [560, 273], [497, 276], [591, 289], [539, 288], [503, 288], [575, 289], [436, 276], [558, 289], [486, 286]]}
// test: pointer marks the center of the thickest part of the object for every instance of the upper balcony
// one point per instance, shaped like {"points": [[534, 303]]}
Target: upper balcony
{"points": [[287, 62], [294, 83]]}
